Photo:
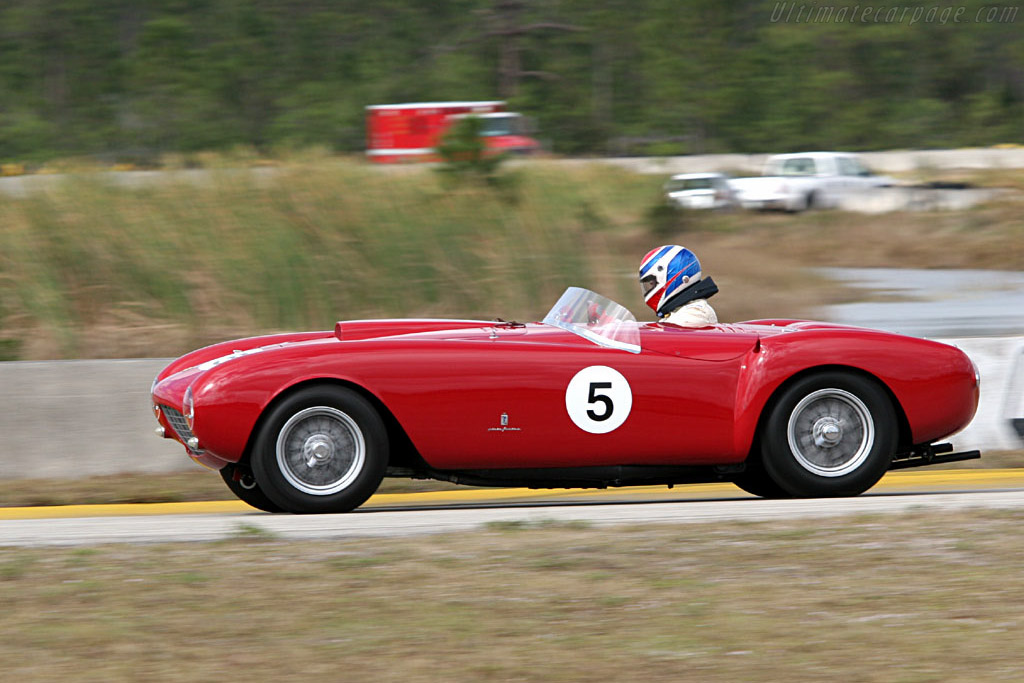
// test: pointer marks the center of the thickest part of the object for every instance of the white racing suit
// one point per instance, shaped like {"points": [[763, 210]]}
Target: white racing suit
{"points": [[697, 313]]}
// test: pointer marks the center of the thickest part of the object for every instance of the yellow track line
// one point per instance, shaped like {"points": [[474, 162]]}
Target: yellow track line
{"points": [[936, 480]]}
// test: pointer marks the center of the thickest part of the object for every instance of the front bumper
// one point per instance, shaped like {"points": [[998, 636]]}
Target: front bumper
{"points": [[173, 426]]}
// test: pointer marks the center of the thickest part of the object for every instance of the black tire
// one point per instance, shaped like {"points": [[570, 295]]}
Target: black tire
{"points": [[247, 490], [755, 481], [812, 201], [322, 449], [829, 434]]}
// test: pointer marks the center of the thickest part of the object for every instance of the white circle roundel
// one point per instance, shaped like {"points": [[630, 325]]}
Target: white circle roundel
{"points": [[598, 399]]}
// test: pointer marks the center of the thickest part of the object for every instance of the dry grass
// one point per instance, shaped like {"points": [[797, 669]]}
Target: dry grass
{"points": [[91, 270], [760, 260], [175, 487], [873, 599]]}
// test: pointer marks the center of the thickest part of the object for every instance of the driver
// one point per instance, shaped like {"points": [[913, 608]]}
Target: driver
{"points": [[671, 281]]}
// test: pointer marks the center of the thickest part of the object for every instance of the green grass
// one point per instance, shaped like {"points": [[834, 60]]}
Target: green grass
{"points": [[887, 598]]}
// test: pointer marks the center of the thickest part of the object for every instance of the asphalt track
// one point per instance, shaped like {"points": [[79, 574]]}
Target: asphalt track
{"points": [[449, 511]]}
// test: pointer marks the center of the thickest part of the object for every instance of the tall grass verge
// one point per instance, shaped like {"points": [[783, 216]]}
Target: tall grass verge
{"points": [[89, 268], [121, 265]]}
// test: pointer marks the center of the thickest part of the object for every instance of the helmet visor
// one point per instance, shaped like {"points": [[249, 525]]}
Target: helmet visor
{"points": [[648, 283]]}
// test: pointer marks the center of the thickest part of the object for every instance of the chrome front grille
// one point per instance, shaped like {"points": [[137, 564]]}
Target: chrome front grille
{"points": [[178, 423]]}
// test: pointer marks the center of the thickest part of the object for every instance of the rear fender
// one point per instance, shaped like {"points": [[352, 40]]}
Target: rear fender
{"points": [[766, 372], [748, 433]]}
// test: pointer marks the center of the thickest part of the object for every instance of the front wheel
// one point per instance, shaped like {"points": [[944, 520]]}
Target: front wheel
{"points": [[322, 449], [829, 434]]}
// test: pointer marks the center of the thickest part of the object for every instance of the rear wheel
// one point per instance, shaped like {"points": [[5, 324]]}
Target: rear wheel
{"points": [[755, 481], [829, 434], [246, 489], [323, 449]]}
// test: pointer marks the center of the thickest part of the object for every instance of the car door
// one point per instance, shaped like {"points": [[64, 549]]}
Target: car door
{"points": [[548, 398], [849, 175]]}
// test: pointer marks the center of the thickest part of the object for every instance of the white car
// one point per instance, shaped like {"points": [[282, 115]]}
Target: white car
{"points": [[795, 182], [699, 191]]}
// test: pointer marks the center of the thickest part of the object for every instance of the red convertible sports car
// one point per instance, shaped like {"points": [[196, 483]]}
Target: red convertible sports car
{"points": [[589, 397]]}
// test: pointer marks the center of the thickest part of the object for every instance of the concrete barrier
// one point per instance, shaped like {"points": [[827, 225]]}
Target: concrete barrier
{"points": [[894, 161], [81, 417], [886, 199], [1002, 383], [67, 419]]}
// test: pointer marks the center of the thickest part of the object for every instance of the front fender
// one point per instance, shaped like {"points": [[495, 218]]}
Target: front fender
{"points": [[230, 398], [222, 349]]}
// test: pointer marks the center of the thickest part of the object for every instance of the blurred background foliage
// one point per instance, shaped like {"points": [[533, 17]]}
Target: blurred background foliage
{"points": [[130, 80]]}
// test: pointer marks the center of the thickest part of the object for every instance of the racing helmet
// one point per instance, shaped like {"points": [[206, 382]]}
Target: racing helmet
{"points": [[665, 272]]}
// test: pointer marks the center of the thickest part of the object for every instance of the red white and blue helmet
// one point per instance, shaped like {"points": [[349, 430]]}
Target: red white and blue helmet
{"points": [[665, 272]]}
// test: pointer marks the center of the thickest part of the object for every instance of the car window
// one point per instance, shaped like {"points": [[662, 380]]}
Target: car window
{"points": [[859, 168], [798, 166], [852, 166], [681, 184]]}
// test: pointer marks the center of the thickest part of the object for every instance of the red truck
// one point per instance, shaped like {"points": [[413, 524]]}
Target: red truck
{"points": [[411, 132]]}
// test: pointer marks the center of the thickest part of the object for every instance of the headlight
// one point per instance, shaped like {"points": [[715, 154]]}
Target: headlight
{"points": [[188, 407], [152, 388]]}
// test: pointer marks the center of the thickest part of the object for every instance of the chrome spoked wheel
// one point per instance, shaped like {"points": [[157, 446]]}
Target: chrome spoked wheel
{"points": [[320, 451], [322, 448], [831, 432]]}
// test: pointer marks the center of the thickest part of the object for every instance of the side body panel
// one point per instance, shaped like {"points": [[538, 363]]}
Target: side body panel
{"points": [[493, 398]]}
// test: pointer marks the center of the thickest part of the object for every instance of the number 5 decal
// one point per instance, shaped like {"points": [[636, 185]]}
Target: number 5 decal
{"points": [[598, 399]]}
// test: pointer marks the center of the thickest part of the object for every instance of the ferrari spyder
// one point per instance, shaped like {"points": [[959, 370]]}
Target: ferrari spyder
{"points": [[588, 397]]}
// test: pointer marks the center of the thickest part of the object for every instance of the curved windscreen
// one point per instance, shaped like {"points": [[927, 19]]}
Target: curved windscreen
{"points": [[596, 318]]}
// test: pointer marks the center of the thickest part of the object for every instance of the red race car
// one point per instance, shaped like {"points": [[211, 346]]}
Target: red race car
{"points": [[589, 397]]}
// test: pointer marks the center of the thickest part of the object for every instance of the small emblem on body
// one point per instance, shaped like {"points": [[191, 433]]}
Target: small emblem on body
{"points": [[504, 425]]}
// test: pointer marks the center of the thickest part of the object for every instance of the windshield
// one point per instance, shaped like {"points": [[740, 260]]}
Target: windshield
{"points": [[500, 125], [596, 318], [792, 166]]}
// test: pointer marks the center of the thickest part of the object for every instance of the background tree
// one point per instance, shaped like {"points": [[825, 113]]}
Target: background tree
{"points": [[139, 78]]}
